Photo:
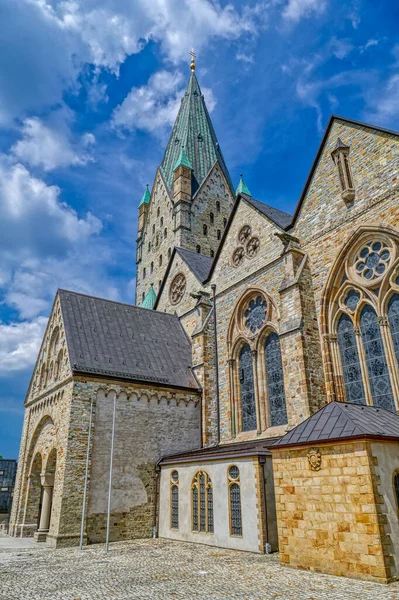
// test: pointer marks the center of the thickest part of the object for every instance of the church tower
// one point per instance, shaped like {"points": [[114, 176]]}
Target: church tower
{"points": [[191, 198]]}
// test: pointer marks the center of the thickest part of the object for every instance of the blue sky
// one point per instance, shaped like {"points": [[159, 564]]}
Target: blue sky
{"points": [[88, 92]]}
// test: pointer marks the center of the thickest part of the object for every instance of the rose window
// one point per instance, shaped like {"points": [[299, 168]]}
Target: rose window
{"points": [[372, 260], [238, 256], [244, 234], [255, 315], [253, 246], [177, 288]]}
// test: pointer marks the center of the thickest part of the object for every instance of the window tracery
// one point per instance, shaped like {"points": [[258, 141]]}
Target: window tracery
{"points": [[363, 314], [177, 288], [174, 500], [234, 490], [202, 503], [275, 381]]}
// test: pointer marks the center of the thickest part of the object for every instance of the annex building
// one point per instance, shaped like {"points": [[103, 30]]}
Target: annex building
{"points": [[255, 391]]}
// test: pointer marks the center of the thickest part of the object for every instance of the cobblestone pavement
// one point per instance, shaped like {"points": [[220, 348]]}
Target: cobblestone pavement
{"points": [[161, 569]]}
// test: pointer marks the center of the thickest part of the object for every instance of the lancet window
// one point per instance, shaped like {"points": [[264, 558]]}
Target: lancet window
{"points": [[234, 487], [363, 321], [174, 500], [256, 368], [202, 503]]}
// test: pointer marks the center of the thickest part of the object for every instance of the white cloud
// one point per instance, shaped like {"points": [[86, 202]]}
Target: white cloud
{"points": [[369, 44], [341, 47], [47, 147], [299, 9], [384, 109], [154, 106], [19, 344]]}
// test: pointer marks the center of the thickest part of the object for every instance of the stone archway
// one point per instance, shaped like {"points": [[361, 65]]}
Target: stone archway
{"points": [[47, 484], [34, 496]]}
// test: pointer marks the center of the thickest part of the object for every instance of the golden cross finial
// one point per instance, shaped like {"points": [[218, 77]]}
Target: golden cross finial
{"points": [[193, 56]]}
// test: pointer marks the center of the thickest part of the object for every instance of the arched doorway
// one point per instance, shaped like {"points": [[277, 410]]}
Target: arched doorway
{"points": [[33, 505]]}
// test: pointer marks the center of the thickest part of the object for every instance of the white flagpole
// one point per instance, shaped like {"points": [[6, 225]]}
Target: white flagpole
{"points": [[82, 526], [110, 476]]}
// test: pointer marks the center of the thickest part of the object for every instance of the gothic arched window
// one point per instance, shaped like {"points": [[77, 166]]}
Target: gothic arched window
{"points": [[247, 389], [217, 206], [211, 218], [393, 317], [205, 229], [218, 234], [396, 488], [174, 500], [352, 371], [202, 503], [380, 385], [161, 221], [275, 381], [169, 252], [233, 477], [165, 233]]}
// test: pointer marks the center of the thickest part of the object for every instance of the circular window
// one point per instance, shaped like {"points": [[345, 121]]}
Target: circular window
{"points": [[253, 246], [238, 256], [372, 261], [255, 315], [177, 288], [244, 234], [234, 472], [175, 476]]}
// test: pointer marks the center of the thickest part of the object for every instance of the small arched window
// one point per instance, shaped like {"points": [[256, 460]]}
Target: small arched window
{"points": [[142, 297], [396, 488], [233, 478], [218, 234], [165, 233], [51, 371], [247, 389], [161, 221], [158, 211], [212, 253], [205, 229], [202, 503], [160, 260], [58, 365], [224, 222], [174, 500], [275, 381], [153, 228], [218, 206], [169, 252], [211, 218], [144, 273], [149, 246], [198, 248], [152, 267]]}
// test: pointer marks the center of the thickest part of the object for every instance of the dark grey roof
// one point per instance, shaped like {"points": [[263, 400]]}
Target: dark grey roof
{"points": [[251, 448], [126, 342], [281, 218], [197, 263], [338, 420]]}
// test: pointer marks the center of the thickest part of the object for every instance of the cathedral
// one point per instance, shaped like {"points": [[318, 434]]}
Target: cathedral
{"points": [[250, 398]]}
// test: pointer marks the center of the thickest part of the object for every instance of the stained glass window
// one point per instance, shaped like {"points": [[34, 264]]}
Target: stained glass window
{"points": [[396, 488], [255, 315], [202, 503], [352, 300], [377, 367], [353, 379], [248, 408], [235, 501], [275, 381], [372, 260], [393, 316], [175, 507]]}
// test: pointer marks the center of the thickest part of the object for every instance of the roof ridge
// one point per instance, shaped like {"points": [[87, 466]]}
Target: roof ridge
{"points": [[135, 306], [252, 199]]}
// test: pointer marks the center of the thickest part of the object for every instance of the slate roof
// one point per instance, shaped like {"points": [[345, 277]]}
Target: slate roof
{"points": [[126, 342], [193, 129], [339, 420], [251, 448], [199, 264], [281, 218]]}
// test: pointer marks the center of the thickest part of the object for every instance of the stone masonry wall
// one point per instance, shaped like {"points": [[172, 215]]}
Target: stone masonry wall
{"points": [[329, 520]]}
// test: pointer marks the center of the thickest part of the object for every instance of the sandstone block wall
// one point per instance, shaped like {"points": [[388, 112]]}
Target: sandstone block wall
{"points": [[331, 520]]}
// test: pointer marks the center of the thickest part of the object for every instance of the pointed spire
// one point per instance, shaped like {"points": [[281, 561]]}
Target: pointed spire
{"points": [[149, 299], [183, 160], [242, 187], [146, 197], [193, 129]]}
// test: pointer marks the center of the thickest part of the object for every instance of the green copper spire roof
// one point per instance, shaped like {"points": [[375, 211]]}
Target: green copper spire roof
{"points": [[150, 298], [183, 160], [146, 197], [242, 187], [193, 129]]}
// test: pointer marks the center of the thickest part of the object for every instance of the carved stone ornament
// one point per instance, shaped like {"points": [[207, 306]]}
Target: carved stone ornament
{"points": [[314, 458], [177, 288], [253, 246], [244, 234], [238, 256]]}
